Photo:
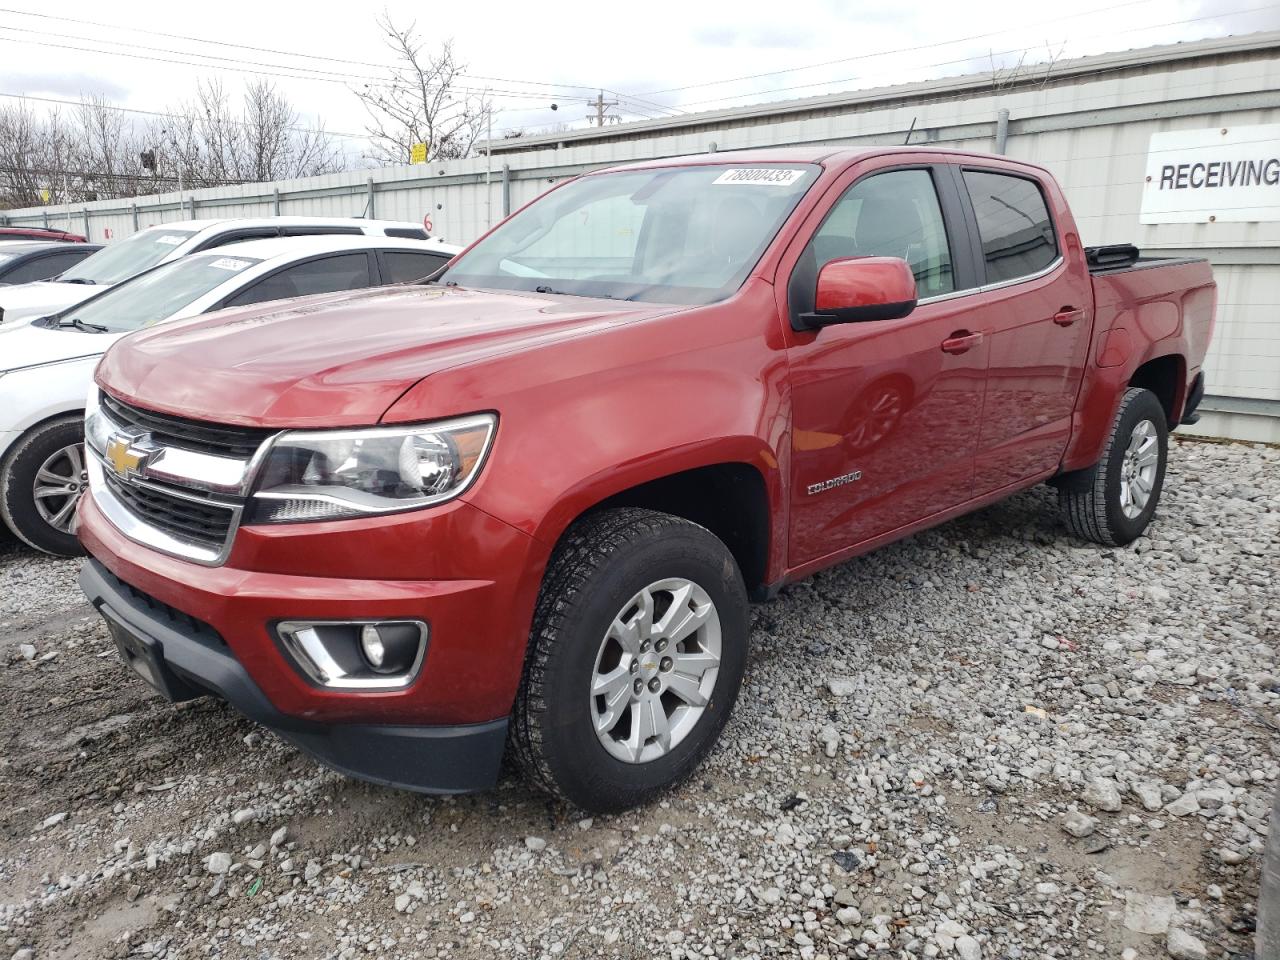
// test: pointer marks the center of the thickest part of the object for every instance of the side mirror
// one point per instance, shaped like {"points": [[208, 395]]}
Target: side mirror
{"points": [[858, 289]]}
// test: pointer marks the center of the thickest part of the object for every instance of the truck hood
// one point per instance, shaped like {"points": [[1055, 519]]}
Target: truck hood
{"points": [[22, 345], [29, 301], [337, 359]]}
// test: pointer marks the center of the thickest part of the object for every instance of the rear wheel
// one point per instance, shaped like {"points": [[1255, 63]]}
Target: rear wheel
{"points": [[635, 659], [43, 480], [1113, 501]]}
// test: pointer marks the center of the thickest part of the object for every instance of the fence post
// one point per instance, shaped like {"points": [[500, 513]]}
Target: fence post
{"points": [[85, 211], [134, 208], [191, 207], [275, 201], [1002, 130], [369, 209], [506, 190], [46, 218]]}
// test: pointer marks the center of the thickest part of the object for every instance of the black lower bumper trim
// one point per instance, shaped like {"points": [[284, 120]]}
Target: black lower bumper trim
{"points": [[184, 663]]}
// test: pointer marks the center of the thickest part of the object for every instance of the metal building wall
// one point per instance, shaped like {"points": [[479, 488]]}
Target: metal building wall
{"points": [[1089, 122]]}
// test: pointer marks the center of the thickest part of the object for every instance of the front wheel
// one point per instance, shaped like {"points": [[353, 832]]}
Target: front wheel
{"points": [[43, 480], [1113, 501], [636, 655]]}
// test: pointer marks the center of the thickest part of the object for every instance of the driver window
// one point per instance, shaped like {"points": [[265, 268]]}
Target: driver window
{"points": [[894, 214]]}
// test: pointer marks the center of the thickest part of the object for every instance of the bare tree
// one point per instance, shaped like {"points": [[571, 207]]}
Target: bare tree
{"points": [[422, 101], [95, 151]]}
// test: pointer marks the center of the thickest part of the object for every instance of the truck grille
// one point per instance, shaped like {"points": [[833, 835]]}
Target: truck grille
{"points": [[170, 483], [167, 430], [205, 524]]}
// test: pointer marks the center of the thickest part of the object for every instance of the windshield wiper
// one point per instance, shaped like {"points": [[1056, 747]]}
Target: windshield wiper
{"points": [[79, 324], [92, 283], [564, 293]]}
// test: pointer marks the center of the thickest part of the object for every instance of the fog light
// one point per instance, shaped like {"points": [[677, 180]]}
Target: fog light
{"points": [[356, 654], [372, 646]]}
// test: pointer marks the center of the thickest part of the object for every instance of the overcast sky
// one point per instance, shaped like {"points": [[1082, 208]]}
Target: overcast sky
{"points": [[661, 56]]}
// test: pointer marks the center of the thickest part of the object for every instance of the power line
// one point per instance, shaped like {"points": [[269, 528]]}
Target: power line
{"points": [[170, 116], [271, 50], [894, 51], [229, 63], [945, 63]]}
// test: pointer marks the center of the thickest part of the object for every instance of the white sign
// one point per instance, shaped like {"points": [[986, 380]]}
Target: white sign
{"points": [[760, 176], [1229, 174]]}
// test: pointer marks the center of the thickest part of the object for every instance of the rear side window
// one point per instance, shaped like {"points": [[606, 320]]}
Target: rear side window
{"points": [[1013, 224], [399, 267], [37, 269], [54, 265], [347, 271]]}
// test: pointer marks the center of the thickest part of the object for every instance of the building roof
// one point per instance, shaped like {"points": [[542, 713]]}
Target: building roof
{"points": [[1062, 71]]}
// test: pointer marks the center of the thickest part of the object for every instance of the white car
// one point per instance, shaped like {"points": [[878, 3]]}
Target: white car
{"points": [[46, 365], [126, 258]]}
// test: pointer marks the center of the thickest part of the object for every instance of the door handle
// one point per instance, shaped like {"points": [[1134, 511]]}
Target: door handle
{"points": [[1067, 316], [962, 341]]}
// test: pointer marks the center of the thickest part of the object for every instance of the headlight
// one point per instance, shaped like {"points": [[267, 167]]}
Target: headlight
{"points": [[96, 428], [335, 474]]}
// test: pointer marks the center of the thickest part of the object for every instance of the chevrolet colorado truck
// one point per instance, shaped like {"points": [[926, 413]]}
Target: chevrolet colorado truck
{"points": [[520, 508]]}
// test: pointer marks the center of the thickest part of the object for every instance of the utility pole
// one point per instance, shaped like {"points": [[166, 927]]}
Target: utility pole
{"points": [[601, 104]]}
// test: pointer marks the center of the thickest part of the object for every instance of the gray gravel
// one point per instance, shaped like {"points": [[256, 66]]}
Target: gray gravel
{"points": [[988, 741]]}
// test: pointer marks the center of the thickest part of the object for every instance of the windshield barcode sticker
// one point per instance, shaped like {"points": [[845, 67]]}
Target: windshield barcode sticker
{"points": [[229, 263], [171, 239], [760, 177]]}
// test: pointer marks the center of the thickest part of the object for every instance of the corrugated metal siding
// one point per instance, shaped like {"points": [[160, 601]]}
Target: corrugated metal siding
{"points": [[1091, 127]]}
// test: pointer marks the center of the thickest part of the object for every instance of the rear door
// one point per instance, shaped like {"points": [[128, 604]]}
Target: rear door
{"points": [[885, 413], [1038, 306]]}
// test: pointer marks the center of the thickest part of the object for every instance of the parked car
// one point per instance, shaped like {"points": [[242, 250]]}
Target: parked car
{"points": [[40, 260], [46, 365], [40, 233], [527, 502], [126, 258]]}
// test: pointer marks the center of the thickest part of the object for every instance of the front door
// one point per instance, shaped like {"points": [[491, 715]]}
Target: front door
{"points": [[885, 413]]}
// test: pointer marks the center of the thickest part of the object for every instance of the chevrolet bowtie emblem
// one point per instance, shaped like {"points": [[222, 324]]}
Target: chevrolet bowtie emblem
{"points": [[124, 459]]}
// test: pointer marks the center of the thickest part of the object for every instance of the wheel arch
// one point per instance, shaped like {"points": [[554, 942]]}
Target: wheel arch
{"points": [[738, 498], [1166, 377]]}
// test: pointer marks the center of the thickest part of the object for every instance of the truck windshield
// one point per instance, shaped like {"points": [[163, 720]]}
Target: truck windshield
{"points": [[125, 259], [686, 235], [158, 294]]}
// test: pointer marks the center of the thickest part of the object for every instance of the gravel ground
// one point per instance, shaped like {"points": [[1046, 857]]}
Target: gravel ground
{"points": [[989, 740]]}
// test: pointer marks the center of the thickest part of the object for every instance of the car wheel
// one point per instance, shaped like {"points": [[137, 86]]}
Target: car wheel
{"points": [[42, 481], [1113, 501], [636, 655]]}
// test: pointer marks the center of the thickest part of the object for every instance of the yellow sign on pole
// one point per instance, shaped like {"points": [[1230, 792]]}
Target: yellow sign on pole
{"points": [[44, 195], [418, 153]]}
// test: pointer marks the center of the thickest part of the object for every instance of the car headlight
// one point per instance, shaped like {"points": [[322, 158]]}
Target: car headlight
{"points": [[337, 474], [96, 428]]}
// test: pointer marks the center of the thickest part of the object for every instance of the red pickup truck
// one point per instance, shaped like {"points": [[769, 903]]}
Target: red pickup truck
{"points": [[520, 508]]}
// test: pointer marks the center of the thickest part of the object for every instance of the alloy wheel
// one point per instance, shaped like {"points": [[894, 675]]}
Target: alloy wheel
{"points": [[655, 670], [60, 482]]}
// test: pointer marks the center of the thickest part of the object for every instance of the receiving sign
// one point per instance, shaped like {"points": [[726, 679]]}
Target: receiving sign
{"points": [[1223, 174]]}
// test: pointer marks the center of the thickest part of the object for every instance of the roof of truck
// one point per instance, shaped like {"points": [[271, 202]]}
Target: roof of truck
{"points": [[825, 154]]}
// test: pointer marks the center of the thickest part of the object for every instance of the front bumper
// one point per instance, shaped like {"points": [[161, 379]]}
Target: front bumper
{"points": [[184, 658]]}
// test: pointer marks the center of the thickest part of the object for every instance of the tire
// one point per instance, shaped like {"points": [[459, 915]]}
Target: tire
{"points": [[45, 447], [590, 612], [1102, 503]]}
